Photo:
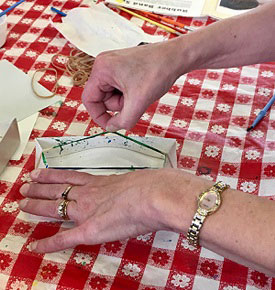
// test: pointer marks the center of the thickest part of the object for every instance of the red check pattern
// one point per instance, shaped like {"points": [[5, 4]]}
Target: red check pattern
{"points": [[207, 111]]}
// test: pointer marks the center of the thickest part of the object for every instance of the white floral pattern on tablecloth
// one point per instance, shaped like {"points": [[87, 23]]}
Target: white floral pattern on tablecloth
{"points": [[130, 269], [180, 281]]}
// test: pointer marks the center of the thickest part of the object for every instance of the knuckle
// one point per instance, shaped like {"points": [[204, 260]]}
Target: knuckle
{"points": [[100, 61], [126, 124], [59, 240], [77, 178], [87, 236], [47, 174], [94, 189], [69, 177]]}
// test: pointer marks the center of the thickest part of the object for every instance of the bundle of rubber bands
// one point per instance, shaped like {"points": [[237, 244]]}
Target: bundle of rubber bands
{"points": [[78, 65]]}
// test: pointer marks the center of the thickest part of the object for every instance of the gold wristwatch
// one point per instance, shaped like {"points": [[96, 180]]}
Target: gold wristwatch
{"points": [[208, 202]]}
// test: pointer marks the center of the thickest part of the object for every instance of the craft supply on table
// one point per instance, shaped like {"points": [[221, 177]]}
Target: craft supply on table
{"points": [[105, 151], [78, 65], [186, 8], [3, 30], [166, 20], [58, 11], [262, 114], [11, 8], [25, 128], [9, 141], [16, 87], [165, 27], [97, 29], [34, 82]]}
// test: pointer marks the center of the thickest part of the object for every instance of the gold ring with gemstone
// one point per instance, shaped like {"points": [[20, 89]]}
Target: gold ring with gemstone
{"points": [[62, 209]]}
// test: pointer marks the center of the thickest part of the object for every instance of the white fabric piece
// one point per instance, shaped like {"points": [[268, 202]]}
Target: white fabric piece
{"points": [[97, 29]]}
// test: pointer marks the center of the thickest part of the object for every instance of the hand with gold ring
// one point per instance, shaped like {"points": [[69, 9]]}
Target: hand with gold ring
{"points": [[103, 208], [116, 207]]}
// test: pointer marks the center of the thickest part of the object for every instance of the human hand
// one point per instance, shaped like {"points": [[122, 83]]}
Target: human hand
{"points": [[127, 81], [107, 208]]}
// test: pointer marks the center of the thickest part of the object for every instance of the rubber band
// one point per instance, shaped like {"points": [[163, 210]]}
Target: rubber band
{"points": [[78, 66], [55, 85]]}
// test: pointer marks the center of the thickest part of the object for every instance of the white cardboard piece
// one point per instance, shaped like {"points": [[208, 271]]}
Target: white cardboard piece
{"points": [[17, 98], [25, 128], [9, 141]]}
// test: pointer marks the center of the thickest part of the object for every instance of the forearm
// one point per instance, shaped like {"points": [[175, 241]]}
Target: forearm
{"points": [[242, 229], [237, 41]]}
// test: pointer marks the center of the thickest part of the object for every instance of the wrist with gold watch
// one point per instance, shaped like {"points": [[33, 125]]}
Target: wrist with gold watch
{"points": [[208, 202]]}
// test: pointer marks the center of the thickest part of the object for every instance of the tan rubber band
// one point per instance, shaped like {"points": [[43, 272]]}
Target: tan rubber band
{"points": [[55, 85], [78, 66]]}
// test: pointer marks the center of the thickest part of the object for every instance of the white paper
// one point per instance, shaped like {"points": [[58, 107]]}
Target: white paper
{"points": [[109, 151], [223, 10], [25, 128], [169, 7], [97, 29], [16, 95], [189, 8]]}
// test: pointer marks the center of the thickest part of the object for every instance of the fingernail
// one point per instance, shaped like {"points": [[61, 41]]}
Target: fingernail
{"points": [[24, 188], [23, 203], [33, 246], [35, 173]]}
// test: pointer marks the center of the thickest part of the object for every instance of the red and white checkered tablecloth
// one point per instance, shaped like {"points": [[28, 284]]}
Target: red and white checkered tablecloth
{"points": [[207, 111]]}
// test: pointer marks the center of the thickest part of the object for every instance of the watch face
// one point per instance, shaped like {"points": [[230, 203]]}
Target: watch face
{"points": [[209, 201]]}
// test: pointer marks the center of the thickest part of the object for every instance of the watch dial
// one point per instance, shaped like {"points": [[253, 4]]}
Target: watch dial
{"points": [[208, 202]]}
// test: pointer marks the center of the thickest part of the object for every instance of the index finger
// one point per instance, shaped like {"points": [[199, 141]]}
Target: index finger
{"points": [[93, 98]]}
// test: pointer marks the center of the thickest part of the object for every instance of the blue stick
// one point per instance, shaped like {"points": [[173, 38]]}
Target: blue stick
{"points": [[262, 113], [58, 11], [10, 8]]}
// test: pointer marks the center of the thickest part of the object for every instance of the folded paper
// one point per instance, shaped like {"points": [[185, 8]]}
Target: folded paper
{"points": [[110, 152]]}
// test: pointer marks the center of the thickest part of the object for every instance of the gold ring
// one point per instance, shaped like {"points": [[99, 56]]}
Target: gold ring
{"points": [[62, 209], [65, 193]]}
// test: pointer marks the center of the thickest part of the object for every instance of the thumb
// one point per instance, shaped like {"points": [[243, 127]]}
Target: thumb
{"points": [[60, 241], [127, 117]]}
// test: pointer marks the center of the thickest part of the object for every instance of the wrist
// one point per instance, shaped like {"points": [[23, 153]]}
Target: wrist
{"points": [[176, 201], [194, 50], [190, 190]]}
